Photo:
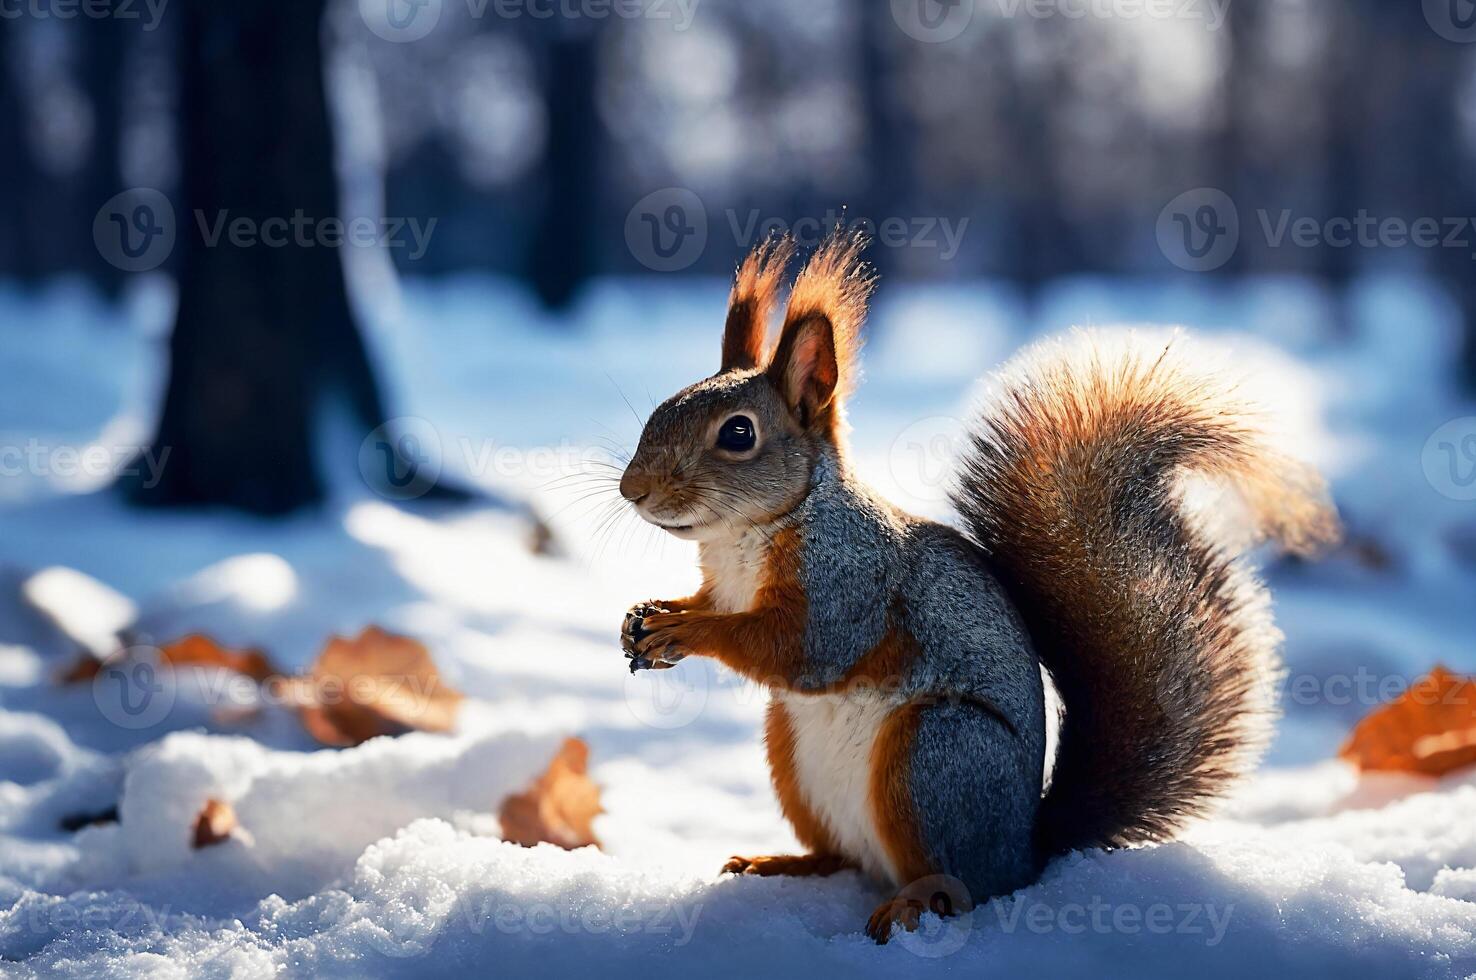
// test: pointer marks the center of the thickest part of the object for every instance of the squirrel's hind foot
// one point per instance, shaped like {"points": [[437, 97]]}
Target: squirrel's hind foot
{"points": [[787, 865], [899, 911], [943, 896]]}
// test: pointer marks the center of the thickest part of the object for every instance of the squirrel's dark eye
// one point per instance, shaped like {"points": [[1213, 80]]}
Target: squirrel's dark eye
{"points": [[737, 434]]}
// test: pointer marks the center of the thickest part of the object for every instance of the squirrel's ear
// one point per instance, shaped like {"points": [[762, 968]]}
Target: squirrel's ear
{"points": [[805, 368], [754, 292], [815, 364]]}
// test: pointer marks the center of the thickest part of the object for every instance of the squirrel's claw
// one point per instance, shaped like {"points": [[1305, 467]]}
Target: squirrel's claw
{"points": [[638, 662], [662, 660], [634, 636]]}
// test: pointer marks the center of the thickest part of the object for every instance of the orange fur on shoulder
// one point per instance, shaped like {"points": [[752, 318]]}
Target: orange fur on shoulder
{"points": [[765, 644]]}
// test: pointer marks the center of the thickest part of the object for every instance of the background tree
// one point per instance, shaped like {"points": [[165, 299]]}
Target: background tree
{"points": [[264, 335], [560, 256]]}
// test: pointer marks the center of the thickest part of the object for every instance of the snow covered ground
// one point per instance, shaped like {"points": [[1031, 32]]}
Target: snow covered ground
{"points": [[384, 859]]}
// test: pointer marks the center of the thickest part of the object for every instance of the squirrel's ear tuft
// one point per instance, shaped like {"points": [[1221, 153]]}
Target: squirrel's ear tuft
{"points": [[754, 293], [815, 364]]}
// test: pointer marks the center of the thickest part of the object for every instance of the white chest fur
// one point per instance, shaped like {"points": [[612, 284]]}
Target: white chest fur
{"points": [[734, 569], [833, 740]]}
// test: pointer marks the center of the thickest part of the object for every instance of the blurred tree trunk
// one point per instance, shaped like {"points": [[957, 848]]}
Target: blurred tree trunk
{"points": [[21, 177], [887, 137], [1237, 169], [263, 332], [1423, 70], [106, 44], [1457, 267], [1043, 244], [1348, 99], [560, 256]]}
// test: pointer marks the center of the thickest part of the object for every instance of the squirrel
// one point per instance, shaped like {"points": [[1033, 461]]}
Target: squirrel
{"points": [[906, 661]]}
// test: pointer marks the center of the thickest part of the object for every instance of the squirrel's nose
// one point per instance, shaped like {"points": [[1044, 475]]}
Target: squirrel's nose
{"points": [[635, 487]]}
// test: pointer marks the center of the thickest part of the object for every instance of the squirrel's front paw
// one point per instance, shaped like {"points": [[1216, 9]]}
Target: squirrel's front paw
{"points": [[643, 647]]}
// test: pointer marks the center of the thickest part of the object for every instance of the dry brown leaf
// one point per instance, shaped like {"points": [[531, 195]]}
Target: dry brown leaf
{"points": [[214, 824], [541, 539], [375, 684], [195, 650], [1429, 729], [81, 671], [198, 650], [560, 807]]}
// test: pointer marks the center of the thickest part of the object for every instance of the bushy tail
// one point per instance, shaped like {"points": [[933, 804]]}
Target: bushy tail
{"points": [[1158, 638]]}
